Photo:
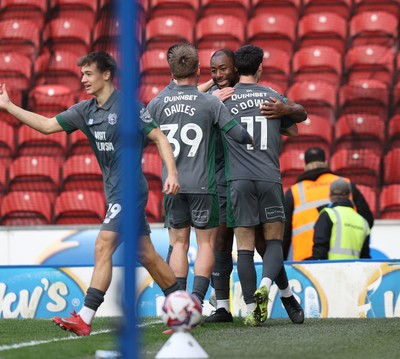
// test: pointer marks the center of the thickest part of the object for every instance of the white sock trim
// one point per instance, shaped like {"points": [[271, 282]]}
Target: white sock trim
{"points": [[87, 314]]}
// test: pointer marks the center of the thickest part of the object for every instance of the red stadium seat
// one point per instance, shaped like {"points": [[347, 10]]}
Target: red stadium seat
{"points": [[154, 207], [278, 87], [154, 67], [340, 7], [85, 10], [370, 62], [391, 6], [276, 66], [323, 29], [15, 70], [272, 31], [185, 8], [33, 143], [362, 166], [353, 131], [20, 35], [148, 92], [318, 97], [78, 144], [237, 8], [68, 34], [292, 166], [22, 208], [204, 60], [364, 96], [35, 173], [373, 27], [393, 138], [49, 100], [58, 68], [151, 162], [34, 10], [315, 131], [79, 207], [82, 172], [391, 163], [370, 196], [390, 202], [3, 178], [291, 8], [313, 63], [164, 31], [106, 34], [7, 140], [219, 31]]}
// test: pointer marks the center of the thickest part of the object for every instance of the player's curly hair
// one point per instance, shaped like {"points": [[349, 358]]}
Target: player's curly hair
{"points": [[183, 61], [103, 60]]}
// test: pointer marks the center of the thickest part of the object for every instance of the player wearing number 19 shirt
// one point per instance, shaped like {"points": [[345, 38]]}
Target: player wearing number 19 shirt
{"points": [[254, 182], [190, 119]]}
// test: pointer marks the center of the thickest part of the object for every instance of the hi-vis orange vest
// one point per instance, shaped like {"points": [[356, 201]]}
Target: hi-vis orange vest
{"points": [[307, 197]]}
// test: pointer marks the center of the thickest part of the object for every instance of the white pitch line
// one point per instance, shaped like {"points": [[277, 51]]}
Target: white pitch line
{"points": [[39, 342]]}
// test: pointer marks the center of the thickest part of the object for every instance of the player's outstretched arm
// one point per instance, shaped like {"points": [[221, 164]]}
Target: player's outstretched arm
{"points": [[290, 131], [171, 184], [277, 109], [38, 122], [206, 86]]}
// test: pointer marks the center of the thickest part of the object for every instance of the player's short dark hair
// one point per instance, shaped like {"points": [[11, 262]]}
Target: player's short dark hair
{"points": [[248, 58], [227, 52], [103, 60], [184, 61], [314, 154]]}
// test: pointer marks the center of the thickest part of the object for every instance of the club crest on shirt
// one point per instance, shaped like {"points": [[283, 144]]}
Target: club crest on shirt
{"points": [[145, 115], [112, 118], [90, 122]]}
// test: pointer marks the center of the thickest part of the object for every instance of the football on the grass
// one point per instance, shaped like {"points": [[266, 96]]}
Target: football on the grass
{"points": [[181, 310]]}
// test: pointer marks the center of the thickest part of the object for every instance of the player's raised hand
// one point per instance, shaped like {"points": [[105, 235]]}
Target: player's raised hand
{"points": [[273, 109], [4, 99], [224, 94]]}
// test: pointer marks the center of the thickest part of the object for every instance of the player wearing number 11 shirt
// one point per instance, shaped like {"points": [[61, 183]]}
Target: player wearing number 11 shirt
{"points": [[191, 119]]}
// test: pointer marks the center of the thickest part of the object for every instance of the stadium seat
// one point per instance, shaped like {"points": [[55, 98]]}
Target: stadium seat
{"points": [[185, 8], [313, 63], [49, 100], [164, 31], [292, 166], [364, 96], [3, 177], [23, 208], [148, 92], [154, 207], [278, 87], [363, 130], [35, 173], [323, 29], [362, 166], [391, 165], [370, 62], [82, 172], [68, 34], [59, 68], [204, 60], [15, 70], [340, 7], [33, 143], [79, 207], [154, 67], [106, 33], [219, 31], [21, 36], [391, 6], [85, 10], [7, 140], [315, 131], [78, 144], [291, 8], [370, 195], [318, 97], [276, 66], [237, 8], [373, 27], [34, 10], [272, 31], [393, 137], [389, 202], [151, 162]]}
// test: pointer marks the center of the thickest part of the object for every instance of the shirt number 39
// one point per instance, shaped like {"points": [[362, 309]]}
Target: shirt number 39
{"points": [[190, 134]]}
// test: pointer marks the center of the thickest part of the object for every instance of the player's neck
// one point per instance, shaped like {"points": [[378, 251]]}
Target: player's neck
{"points": [[187, 81], [104, 95], [247, 79]]}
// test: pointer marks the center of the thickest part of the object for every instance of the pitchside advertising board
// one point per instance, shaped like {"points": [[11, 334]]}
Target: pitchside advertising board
{"points": [[46, 272]]}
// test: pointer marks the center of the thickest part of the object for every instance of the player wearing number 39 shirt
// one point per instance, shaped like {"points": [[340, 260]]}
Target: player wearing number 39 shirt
{"points": [[191, 119]]}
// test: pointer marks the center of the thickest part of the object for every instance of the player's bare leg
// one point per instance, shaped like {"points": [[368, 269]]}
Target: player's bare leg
{"points": [[178, 259]]}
